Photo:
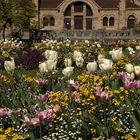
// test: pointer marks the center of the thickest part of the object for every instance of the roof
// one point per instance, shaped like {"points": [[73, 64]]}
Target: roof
{"points": [[107, 3], [49, 4]]}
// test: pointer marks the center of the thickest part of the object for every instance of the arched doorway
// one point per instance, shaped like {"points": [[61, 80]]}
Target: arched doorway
{"points": [[78, 16], [131, 21]]}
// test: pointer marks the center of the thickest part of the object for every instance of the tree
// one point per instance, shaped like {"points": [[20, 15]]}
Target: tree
{"points": [[16, 13]]}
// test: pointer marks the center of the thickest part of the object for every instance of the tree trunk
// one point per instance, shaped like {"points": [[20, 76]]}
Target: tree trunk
{"points": [[3, 31]]}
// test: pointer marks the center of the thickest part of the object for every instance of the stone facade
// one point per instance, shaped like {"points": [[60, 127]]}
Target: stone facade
{"points": [[94, 14]]}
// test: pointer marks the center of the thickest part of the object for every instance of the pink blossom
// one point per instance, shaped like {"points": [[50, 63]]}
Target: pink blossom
{"points": [[3, 112], [74, 95], [136, 84], [26, 120], [35, 121], [128, 84], [42, 115], [56, 108], [49, 115], [41, 81], [46, 115], [98, 91], [1, 77], [112, 138], [11, 112], [42, 98], [103, 95]]}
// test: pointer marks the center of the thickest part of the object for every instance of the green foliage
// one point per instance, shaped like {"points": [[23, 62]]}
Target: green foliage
{"points": [[16, 13]]}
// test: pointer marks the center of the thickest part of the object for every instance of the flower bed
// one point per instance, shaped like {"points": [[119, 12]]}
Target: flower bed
{"points": [[81, 91]]}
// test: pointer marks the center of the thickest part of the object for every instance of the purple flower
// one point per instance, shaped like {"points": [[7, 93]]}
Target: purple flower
{"points": [[136, 84], [128, 84]]}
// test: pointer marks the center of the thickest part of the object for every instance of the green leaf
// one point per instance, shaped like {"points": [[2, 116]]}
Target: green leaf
{"points": [[137, 125], [114, 84], [99, 131], [106, 132], [128, 102]]}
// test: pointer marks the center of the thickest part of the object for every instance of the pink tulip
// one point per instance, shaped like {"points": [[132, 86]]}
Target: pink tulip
{"points": [[50, 115], [35, 121], [103, 95], [56, 108], [128, 84], [3, 112], [137, 84], [42, 115], [42, 98], [41, 81], [74, 87], [1, 77], [74, 95], [26, 120]]}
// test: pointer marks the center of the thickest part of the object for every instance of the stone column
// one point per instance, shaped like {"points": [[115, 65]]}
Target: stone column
{"points": [[84, 17], [72, 17], [122, 14]]}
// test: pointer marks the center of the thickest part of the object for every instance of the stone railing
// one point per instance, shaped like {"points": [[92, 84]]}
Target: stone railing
{"points": [[93, 35], [101, 35]]}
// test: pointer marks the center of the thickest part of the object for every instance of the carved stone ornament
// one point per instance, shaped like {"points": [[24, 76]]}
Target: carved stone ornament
{"points": [[137, 2]]}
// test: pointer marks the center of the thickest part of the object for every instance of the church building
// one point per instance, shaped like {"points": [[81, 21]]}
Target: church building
{"points": [[87, 14]]}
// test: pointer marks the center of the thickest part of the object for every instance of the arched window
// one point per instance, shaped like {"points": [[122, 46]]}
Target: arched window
{"points": [[78, 6], [105, 21], [52, 21], [45, 21], [88, 11], [81, 19], [131, 21], [68, 11], [111, 21]]}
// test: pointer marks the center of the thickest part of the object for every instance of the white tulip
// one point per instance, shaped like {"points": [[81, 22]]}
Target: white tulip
{"points": [[87, 41], [77, 54], [131, 75], [51, 55], [43, 68], [138, 48], [100, 58], [137, 70], [79, 61], [67, 62], [116, 54], [92, 66], [129, 68], [98, 45], [68, 71], [131, 50], [51, 65], [106, 65], [9, 65]]}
